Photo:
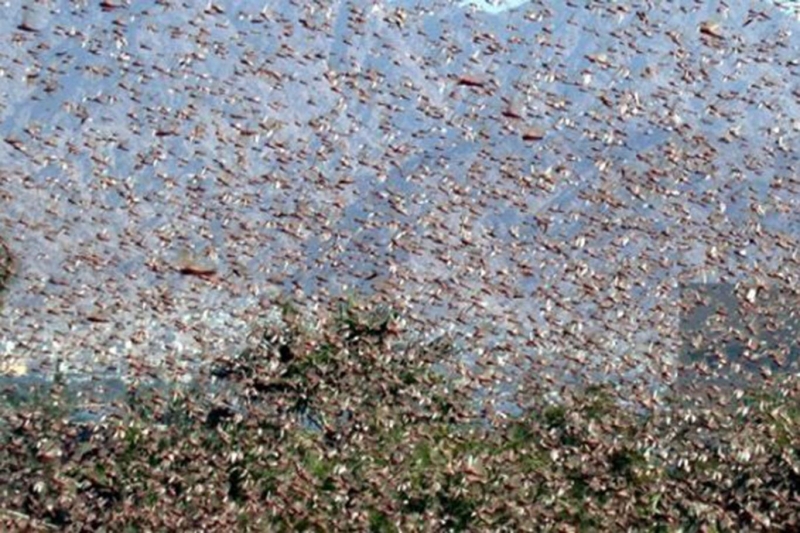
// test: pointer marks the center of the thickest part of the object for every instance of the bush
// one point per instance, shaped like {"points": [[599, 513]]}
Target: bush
{"points": [[351, 426]]}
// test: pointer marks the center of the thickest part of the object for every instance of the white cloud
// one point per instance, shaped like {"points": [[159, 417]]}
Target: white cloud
{"points": [[494, 6]]}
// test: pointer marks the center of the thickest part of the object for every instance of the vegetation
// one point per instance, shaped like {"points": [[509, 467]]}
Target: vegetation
{"points": [[351, 426]]}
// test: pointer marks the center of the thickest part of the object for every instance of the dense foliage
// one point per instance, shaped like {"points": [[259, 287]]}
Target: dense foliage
{"points": [[351, 426]]}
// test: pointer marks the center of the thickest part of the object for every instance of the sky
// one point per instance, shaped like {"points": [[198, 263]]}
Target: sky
{"points": [[454, 163], [494, 6], [499, 6]]}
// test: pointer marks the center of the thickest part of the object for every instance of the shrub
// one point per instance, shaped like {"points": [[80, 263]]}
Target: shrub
{"points": [[351, 426]]}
